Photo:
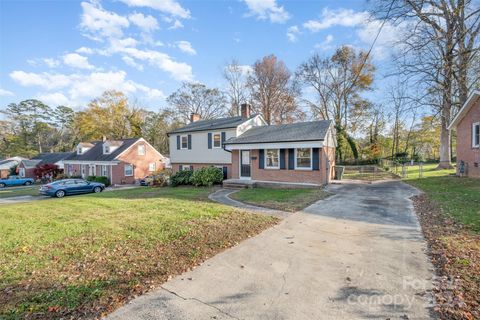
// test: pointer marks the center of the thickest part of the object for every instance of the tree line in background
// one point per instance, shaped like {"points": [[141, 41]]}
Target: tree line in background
{"points": [[437, 66]]}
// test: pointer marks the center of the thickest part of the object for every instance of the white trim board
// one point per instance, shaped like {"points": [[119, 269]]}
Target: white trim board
{"points": [[275, 145], [464, 109]]}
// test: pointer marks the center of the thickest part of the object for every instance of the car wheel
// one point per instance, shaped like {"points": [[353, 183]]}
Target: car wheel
{"points": [[60, 194], [27, 183], [97, 189]]}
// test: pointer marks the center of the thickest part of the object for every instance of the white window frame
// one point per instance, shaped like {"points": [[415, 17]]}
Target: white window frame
{"points": [[266, 157], [143, 148], [152, 165], [311, 160], [181, 142], [79, 150], [213, 140], [185, 167], [475, 145], [125, 170], [106, 149], [21, 172], [104, 171]]}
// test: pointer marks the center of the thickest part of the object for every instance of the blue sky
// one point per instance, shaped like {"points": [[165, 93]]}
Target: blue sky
{"points": [[68, 52]]}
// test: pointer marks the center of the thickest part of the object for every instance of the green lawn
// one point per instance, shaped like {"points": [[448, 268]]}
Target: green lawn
{"points": [[61, 258], [281, 199], [458, 197], [9, 192]]}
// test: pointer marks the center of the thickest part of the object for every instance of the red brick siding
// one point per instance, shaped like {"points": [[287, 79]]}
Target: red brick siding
{"points": [[285, 175], [29, 173], [465, 151], [196, 166], [140, 162], [4, 173]]}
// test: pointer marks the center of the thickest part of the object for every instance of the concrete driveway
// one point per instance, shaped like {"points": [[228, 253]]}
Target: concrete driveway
{"points": [[356, 255]]}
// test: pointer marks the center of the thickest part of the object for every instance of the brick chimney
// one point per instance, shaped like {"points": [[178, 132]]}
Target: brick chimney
{"points": [[246, 110], [194, 117]]}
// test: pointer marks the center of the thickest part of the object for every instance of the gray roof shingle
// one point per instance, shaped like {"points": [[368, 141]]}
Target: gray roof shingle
{"points": [[301, 131], [51, 157], [213, 124], [96, 152]]}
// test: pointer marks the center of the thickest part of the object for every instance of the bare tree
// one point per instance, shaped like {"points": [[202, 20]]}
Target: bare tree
{"points": [[198, 98], [273, 92], [338, 82], [439, 49], [237, 90]]}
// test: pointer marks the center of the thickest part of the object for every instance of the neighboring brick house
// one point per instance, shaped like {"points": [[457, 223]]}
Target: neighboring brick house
{"points": [[200, 143], [301, 152], [467, 124], [122, 161], [6, 164], [26, 168]]}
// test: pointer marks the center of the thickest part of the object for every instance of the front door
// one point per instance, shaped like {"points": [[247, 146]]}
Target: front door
{"points": [[245, 164]]}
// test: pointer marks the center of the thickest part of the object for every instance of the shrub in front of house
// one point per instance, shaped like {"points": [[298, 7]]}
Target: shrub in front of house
{"points": [[207, 176], [181, 178], [101, 179], [161, 178]]}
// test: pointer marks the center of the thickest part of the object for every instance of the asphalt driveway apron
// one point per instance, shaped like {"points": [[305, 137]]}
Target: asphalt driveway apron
{"points": [[356, 255]]}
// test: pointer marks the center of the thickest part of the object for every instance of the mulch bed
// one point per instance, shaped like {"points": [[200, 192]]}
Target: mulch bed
{"points": [[455, 253]]}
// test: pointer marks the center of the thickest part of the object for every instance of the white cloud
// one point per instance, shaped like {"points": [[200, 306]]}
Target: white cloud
{"points": [[326, 44], [366, 29], [341, 17], [5, 93], [170, 7], [146, 23], [176, 25], [54, 99], [186, 47], [85, 50], [132, 63], [99, 23], [75, 60], [292, 33], [178, 70], [267, 9], [45, 80], [76, 89], [52, 63]]}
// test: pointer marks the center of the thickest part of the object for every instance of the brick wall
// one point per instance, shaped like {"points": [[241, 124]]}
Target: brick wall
{"points": [[285, 175], [465, 151]]}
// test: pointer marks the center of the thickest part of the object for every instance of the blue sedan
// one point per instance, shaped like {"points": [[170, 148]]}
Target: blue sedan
{"points": [[62, 188]]}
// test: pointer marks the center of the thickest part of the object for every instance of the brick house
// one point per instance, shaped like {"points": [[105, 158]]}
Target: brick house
{"points": [[122, 161], [200, 143], [6, 164], [246, 148], [467, 124], [301, 152], [27, 167]]}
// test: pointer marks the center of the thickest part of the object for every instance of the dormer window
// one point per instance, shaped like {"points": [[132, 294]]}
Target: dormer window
{"points": [[106, 149], [79, 150]]}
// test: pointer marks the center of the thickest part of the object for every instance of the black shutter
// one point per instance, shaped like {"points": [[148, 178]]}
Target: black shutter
{"points": [[191, 168], [180, 168], [261, 159], [225, 172], [209, 140], [189, 141], [291, 159], [316, 159], [178, 142], [282, 159], [223, 138]]}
